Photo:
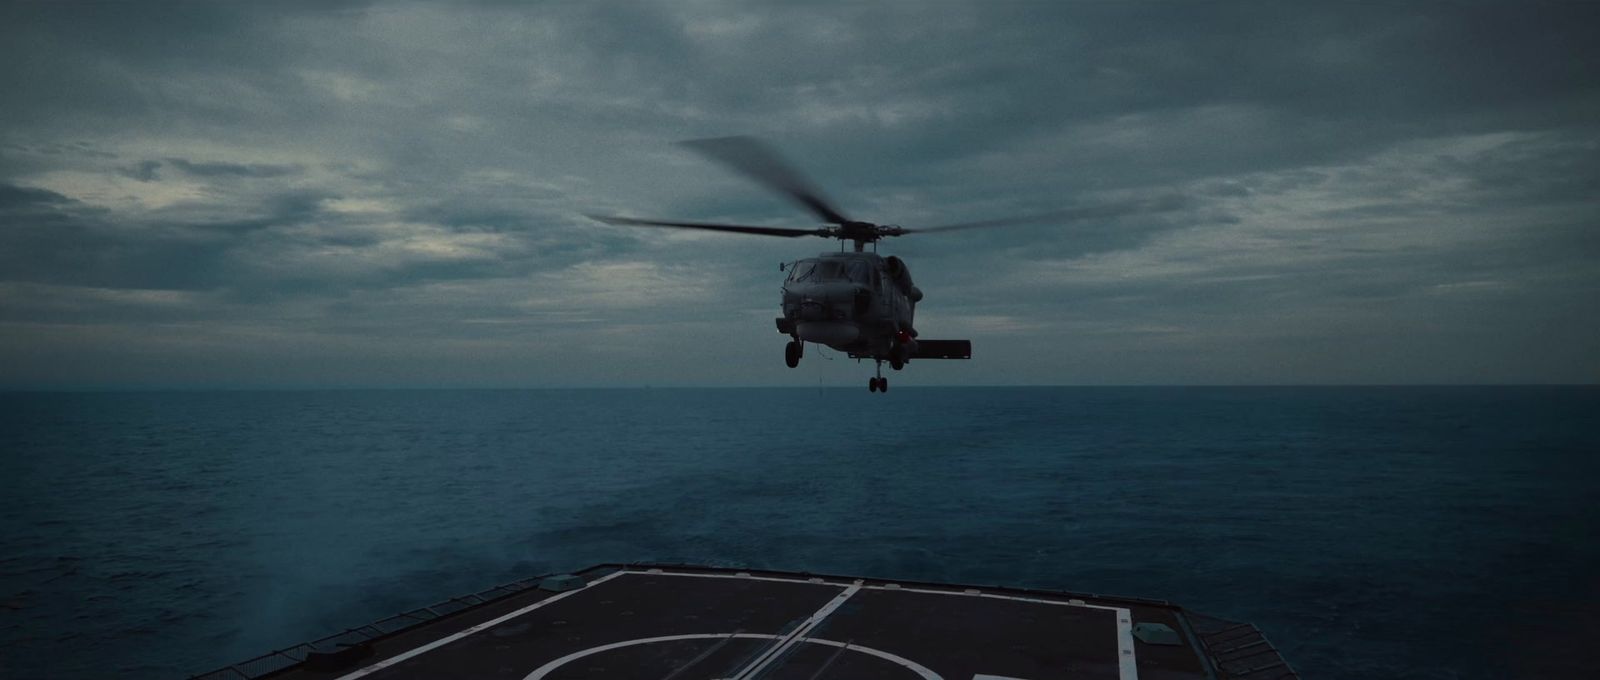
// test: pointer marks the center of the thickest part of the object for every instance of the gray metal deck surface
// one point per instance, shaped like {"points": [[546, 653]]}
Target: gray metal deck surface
{"points": [[691, 623]]}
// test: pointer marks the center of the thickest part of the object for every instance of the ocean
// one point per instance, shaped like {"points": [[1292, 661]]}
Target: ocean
{"points": [[1371, 532]]}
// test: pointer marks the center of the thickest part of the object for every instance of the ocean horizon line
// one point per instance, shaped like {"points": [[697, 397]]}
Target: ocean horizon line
{"points": [[852, 387]]}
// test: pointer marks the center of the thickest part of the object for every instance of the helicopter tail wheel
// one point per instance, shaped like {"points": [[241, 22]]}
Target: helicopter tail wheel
{"points": [[791, 353]]}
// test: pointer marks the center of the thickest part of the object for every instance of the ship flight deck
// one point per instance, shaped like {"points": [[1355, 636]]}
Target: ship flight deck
{"points": [[697, 623]]}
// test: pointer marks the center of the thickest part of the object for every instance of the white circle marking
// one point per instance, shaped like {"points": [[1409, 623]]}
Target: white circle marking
{"points": [[542, 671]]}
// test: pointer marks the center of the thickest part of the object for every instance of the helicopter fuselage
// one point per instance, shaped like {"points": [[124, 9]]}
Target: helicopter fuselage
{"points": [[854, 302]]}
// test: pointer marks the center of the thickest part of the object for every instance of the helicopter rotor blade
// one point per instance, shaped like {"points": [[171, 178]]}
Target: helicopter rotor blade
{"points": [[711, 226], [1065, 215], [1103, 211], [765, 165]]}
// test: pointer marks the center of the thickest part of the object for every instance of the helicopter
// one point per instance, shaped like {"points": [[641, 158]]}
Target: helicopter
{"points": [[856, 302]]}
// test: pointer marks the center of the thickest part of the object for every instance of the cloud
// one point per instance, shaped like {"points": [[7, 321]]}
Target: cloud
{"points": [[1245, 193], [231, 169]]}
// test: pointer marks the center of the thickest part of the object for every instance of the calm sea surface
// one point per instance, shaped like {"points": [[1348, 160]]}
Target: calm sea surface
{"points": [[1371, 532]]}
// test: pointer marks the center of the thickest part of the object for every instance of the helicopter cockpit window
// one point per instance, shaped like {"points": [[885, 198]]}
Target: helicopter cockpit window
{"points": [[817, 270], [860, 273], [802, 270]]}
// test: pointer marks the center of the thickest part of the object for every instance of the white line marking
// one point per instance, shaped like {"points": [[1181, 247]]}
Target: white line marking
{"points": [[744, 577], [475, 629], [1126, 668], [919, 669], [887, 586], [923, 671], [799, 633], [994, 596]]}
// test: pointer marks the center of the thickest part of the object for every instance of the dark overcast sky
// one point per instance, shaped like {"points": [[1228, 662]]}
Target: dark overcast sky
{"points": [[271, 194]]}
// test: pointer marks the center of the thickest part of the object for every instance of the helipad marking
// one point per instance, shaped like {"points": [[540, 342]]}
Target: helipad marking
{"points": [[741, 576], [995, 596], [799, 633], [541, 672], [886, 586], [1127, 667], [475, 629]]}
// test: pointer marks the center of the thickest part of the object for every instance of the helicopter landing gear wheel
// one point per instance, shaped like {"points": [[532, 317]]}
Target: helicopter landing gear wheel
{"points": [[872, 384], [898, 357], [883, 384], [792, 352]]}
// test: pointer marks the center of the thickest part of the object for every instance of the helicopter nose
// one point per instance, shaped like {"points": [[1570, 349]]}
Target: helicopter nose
{"points": [[827, 301], [833, 333], [813, 310]]}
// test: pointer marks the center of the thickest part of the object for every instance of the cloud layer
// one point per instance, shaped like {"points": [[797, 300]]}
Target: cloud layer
{"points": [[234, 195]]}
